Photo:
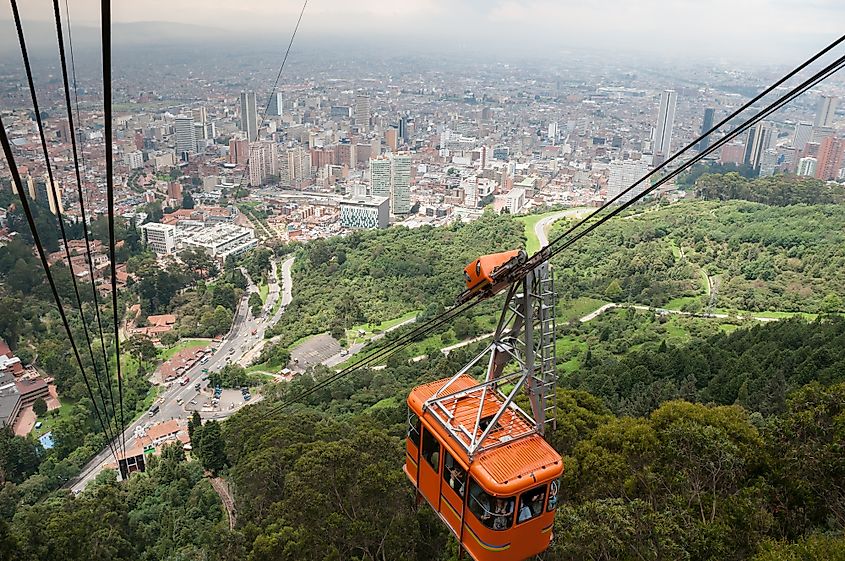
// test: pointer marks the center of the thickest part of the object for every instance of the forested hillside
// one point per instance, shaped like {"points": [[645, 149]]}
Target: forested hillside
{"points": [[758, 257], [370, 277], [684, 437]]}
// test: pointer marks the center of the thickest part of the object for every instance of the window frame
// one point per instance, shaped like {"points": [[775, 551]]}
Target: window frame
{"points": [[472, 497], [425, 454], [544, 488], [554, 492], [415, 427], [447, 456]]}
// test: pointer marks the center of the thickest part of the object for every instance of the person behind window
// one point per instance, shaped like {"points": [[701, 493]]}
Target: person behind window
{"points": [[456, 480], [501, 520], [524, 513]]}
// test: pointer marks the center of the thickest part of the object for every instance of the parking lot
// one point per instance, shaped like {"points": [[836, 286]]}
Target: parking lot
{"points": [[313, 351]]}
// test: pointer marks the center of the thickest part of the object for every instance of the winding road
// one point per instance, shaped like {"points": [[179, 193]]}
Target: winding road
{"points": [[174, 402]]}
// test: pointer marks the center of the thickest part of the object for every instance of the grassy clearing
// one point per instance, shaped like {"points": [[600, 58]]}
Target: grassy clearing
{"points": [[678, 303], [370, 330], [263, 291], [167, 354], [766, 314], [578, 308], [51, 418]]}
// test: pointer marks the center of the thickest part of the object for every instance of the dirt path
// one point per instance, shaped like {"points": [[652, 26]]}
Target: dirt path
{"points": [[225, 494]]}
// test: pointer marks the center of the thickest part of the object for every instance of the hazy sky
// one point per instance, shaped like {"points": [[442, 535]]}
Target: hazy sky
{"points": [[749, 30]]}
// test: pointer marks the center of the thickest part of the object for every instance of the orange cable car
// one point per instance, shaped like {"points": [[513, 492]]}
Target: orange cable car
{"points": [[488, 272], [478, 458]]}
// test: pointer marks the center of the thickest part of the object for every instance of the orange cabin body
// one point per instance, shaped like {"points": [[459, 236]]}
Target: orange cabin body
{"points": [[500, 505], [479, 273]]}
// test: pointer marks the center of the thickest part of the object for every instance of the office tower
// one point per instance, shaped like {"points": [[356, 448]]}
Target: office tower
{"points": [[665, 121], [271, 159], [238, 151], [362, 112], [200, 114], [294, 166], [768, 162], [400, 181], [391, 139], [257, 173], [186, 138], [276, 108], [759, 140], [803, 133], [345, 154], [706, 125], [623, 174], [826, 111], [807, 166], [249, 115], [210, 131], [380, 177], [390, 176], [552, 133], [830, 158], [403, 129]]}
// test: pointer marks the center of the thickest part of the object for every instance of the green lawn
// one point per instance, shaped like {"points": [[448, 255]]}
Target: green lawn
{"points": [[52, 417], [529, 222], [263, 291], [167, 354], [678, 303], [372, 329], [767, 314]]}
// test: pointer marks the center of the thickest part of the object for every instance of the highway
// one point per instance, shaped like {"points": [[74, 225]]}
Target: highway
{"points": [[176, 401], [542, 227]]}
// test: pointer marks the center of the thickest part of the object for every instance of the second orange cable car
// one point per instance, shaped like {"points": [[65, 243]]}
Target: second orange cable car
{"points": [[472, 453]]}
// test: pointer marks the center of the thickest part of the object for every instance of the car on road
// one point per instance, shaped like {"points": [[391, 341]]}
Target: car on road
{"points": [[179, 401], [254, 331], [193, 402], [153, 410], [197, 386]]}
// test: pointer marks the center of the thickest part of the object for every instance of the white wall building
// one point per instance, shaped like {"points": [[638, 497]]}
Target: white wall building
{"points": [[665, 121], [221, 240], [161, 238], [365, 212]]}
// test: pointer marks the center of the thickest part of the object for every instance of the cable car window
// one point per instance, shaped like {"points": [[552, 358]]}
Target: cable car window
{"points": [[478, 267], [454, 474], [494, 512], [553, 492], [531, 504], [431, 450], [413, 428]]}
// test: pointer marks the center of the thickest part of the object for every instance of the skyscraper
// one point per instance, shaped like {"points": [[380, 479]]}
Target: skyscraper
{"points": [[391, 138], [238, 150], [759, 140], [276, 107], [706, 125], [390, 176], [665, 121], [400, 201], [552, 133], [249, 116], [186, 138], [826, 111], [380, 177], [803, 133], [831, 152], [362, 112]]}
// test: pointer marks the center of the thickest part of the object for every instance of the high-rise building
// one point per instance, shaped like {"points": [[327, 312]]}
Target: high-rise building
{"points": [[665, 121], [276, 107], [186, 138], [400, 200], [238, 150], [134, 160], [706, 125], [390, 176], [200, 114], [803, 133], [552, 134], [294, 166], [380, 177], [391, 139], [623, 174], [362, 112], [830, 159], [807, 166], [759, 140], [249, 115], [825, 111], [263, 162], [404, 135], [345, 154]]}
